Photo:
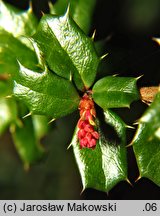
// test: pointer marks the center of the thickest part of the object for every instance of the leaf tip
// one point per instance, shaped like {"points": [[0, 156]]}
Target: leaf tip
{"points": [[136, 122], [130, 127], [42, 13], [130, 144], [137, 78], [29, 114], [52, 120], [93, 35], [114, 75], [69, 145], [83, 189], [66, 14], [128, 181], [70, 77], [103, 56], [137, 179]]}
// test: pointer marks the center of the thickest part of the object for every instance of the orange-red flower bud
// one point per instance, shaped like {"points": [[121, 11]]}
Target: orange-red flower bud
{"points": [[87, 134]]}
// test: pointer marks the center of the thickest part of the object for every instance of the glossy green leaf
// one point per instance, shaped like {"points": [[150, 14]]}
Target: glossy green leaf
{"points": [[146, 143], [113, 92], [8, 113], [45, 93], [106, 165], [26, 143], [17, 22], [67, 50], [11, 50], [81, 11], [8, 62]]}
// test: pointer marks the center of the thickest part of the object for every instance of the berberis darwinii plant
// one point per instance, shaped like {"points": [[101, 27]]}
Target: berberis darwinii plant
{"points": [[47, 71]]}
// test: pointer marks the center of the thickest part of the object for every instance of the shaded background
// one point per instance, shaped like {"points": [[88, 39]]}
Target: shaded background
{"points": [[127, 28]]}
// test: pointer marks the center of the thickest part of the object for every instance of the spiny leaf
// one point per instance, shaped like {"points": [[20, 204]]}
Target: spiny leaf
{"points": [[8, 113], [45, 93], [68, 51], [106, 165], [113, 92], [81, 11], [146, 143], [17, 22]]}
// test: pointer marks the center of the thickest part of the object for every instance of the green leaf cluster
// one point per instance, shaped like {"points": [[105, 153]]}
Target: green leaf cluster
{"points": [[45, 67], [15, 25]]}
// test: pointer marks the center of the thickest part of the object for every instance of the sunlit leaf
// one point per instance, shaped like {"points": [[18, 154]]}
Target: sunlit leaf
{"points": [[113, 92], [68, 51], [81, 11]]}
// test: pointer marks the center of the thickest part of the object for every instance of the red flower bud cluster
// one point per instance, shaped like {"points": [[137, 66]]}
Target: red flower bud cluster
{"points": [[87, 134]]}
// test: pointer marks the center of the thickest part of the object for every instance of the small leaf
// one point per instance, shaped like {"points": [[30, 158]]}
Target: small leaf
{"points": [[114, 92], [81, 11], [106, 165], [17, 22], [45, 93], [8, 113], [68, 51], [146, 143], [26, 142]]}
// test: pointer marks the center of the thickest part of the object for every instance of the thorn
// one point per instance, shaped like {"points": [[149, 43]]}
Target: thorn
{"points": [[93, 35], [114, 75], [70, 77], [9, 96], [102, 57], [42, 13], [52, 120], [130, 144], [130, 127], [29, 114], [66, 15], [136, 122], [139, 177], [82, 191], [147, 103], [69, 145], [129, 182], [137, 78]]}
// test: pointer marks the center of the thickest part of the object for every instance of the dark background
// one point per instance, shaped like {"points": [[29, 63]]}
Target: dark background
{"points": [[127, 27]]}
